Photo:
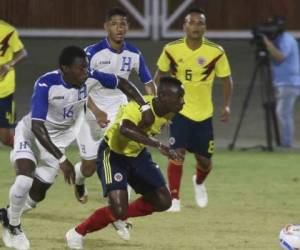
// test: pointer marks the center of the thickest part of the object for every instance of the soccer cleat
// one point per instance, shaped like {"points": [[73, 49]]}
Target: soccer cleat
{"points": [[175, 207], [81, 193], [200, 193], [122, 228], [5, 231], [19, 240], [74, 239]]}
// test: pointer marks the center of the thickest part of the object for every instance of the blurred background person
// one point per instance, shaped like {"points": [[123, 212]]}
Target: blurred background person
{"points": [[284, 54], [12, 51]]}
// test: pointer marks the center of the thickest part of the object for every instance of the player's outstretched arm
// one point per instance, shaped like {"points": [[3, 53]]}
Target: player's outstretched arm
{"points": [[131, 91], [101, 116], [41, 133]]}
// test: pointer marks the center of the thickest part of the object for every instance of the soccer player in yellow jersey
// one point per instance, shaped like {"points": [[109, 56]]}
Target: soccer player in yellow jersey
{"points": [[123, 158], [195, 61], [11, 52]]}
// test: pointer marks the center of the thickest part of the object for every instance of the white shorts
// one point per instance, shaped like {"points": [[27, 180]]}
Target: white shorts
{"points": [[27, 146], [88, 135]]}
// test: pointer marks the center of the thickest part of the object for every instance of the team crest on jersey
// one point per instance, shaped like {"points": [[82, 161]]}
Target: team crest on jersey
{"points": [[201, 60], [172, 140], [118, 177]]}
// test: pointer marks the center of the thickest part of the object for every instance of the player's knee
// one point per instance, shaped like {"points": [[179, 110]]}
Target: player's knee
{"points": [[88, 168], [119, 211], [204, 163], [38, 196], [163, 200]]}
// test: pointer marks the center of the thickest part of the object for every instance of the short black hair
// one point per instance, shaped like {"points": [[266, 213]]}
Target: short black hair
{"points": [[195, 10], [68, 55], [169, 81], [115, 11]]}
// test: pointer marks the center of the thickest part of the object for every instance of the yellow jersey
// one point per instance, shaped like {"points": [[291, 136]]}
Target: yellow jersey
{"points": [[196, 69], [9, 44], [123, 145]]}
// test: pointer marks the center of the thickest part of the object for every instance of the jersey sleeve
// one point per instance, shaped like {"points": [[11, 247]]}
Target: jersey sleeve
{"points": [[163, 62], [143, 71], [109, 81], [39, 102], [15, 42], [132, 113], [222, 66]]}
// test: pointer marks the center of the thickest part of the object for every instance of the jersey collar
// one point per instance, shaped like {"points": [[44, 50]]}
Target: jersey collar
{"points": [[113, 50]]}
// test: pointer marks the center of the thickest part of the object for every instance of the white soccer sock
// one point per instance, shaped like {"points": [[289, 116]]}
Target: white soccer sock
{"points": [[79, 176], [18, 195], [29, 204]]}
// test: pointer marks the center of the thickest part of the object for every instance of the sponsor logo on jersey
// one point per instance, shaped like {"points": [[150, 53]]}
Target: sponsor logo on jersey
{"points": [[58, 98], [43, 84], [104, 62]]}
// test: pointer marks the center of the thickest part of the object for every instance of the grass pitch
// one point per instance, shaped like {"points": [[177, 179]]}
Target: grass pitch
{"points": [[252, 195]]}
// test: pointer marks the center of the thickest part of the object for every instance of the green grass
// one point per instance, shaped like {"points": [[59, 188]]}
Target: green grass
{"points": [[252, 195]]}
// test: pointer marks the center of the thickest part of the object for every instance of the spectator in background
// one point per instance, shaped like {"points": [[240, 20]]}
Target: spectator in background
{"points": [[12, 51], [284, 52]]}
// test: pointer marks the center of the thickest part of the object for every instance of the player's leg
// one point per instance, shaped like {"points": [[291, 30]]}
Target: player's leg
{"points": [[48, 169], [202, 144], [286, 97], [25, 162], [88, 136], [7, 120], [112, 172], [179, 132], [146, 178]]}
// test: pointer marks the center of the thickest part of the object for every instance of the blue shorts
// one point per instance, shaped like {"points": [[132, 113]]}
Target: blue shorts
{"points": [[115, 171], [195, 137], [7, 112]]}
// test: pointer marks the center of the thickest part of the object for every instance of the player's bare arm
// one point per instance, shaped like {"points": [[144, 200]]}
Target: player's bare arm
{"points": [[130, 130], [41, 133], [17, 58], [131, 91], [227, 93], [101, 116]]}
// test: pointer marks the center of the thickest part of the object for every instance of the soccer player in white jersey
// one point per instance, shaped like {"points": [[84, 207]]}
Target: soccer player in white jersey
{"points": [[42, 135], [111, 55]]}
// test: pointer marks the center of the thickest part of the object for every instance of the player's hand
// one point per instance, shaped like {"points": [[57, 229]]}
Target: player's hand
{"points": [[68, 170], [225, 113], [170, 153], [266, 41], [4, 70], [147, 119], [101, 118]]}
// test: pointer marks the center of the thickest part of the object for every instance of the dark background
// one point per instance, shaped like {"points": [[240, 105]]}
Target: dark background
{"points": [[222, 15]]}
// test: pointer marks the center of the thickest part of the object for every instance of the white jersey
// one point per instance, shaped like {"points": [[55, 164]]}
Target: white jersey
{"points": [[58, 103], [102, 57]]}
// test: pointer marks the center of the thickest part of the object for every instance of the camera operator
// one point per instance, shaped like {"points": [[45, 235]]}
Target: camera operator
{"points": [[283, 50]]}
